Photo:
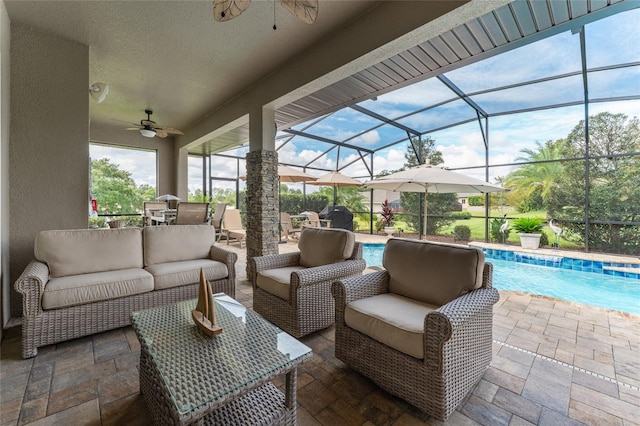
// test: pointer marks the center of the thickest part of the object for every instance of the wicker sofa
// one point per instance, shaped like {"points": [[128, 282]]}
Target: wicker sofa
{"points": [[87, 281], [293, 290], [422, 328]]}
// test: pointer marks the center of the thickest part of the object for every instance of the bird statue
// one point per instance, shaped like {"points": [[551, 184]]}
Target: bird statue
{"points": [[556, 230], [504, 227]]}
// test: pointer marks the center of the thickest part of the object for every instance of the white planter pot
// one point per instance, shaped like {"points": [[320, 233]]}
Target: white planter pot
{"points": [[530, 241], [389, 230]]}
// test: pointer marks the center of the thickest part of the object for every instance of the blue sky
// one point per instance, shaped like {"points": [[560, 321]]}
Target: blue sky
{"points": [[610, 41]]}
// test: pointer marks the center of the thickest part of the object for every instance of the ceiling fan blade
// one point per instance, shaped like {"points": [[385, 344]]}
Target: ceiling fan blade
{"points": [[224, 10], [304, 10], [161, 133], [133, 128], [172, 130], [148, 123]]}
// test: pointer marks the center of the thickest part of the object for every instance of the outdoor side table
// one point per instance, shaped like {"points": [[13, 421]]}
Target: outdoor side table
{"points": [[188, 377]]}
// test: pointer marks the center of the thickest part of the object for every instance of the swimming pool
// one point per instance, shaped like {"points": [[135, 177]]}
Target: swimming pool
{"points": [[586, 285]]}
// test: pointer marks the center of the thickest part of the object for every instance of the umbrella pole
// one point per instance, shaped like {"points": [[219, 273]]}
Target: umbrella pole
{"points": [[280, 240], [425, 216]]}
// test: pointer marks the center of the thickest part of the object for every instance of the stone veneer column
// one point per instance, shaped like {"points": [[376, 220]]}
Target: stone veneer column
{"points": [[263, 219]]}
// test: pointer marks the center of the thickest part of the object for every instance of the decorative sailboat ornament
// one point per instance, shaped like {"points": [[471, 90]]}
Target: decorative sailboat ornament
{"points": [[204, 315]]}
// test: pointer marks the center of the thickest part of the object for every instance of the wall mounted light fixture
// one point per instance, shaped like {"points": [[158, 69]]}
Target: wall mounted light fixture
{"points": [[99, 91]]}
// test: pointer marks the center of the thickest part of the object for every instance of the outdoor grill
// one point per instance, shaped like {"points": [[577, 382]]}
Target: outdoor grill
{"points": [[340, 217]]}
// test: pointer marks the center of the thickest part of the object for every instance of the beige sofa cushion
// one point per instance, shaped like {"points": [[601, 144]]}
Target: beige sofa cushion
{"points": [[175, 243], [174, 274], [277, 281], [95, 287], [391, 319], [84, 251], [430, 272], [322, 246]]}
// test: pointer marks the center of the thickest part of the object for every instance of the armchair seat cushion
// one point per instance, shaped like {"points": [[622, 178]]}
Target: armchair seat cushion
{"points": [[95, 287], [174, 274], [391, 319], [277, 281]]}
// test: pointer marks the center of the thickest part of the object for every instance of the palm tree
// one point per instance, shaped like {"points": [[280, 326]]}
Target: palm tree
{"points": [[540, 174]]}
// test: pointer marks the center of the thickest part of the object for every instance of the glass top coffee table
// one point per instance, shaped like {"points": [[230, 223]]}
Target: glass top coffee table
{"points": [[188, 377]]}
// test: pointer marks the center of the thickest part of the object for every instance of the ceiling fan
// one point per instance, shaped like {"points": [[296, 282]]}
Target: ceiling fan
{"points": [[304, 10], [149, 128]]}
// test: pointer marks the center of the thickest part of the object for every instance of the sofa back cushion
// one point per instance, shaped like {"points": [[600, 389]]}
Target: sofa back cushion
{"points": [[85, 251], [430, 272], [176, 243], [323, 246]]}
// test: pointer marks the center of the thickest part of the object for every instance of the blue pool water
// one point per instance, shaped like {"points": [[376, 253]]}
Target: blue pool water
{"points": [[556, 280]]}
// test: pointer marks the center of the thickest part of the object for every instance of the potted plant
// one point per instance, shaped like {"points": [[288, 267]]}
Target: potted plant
{"points": [[387, 218], [530, 230]]}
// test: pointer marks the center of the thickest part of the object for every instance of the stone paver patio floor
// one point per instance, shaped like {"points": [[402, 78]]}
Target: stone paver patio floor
{"points": [[555, 363]]}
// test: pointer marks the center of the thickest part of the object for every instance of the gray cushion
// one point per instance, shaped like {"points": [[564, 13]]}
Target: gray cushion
{"points": [[86, 288], [164, 244], [431, 272], [391, 319], [277, 281], [83, 251], [322, 246], [174, 274]]}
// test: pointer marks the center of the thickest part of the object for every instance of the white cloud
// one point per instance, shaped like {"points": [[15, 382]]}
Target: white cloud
{"points": [[367, 139]]}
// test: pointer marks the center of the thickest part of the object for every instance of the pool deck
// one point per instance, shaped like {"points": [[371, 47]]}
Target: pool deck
{"points": [[554, 363]]}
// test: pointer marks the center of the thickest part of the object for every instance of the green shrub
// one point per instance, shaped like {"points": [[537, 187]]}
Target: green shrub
{"points": [[496, 235], [460, 215], [544, 240], [476, 200], [462, 232], [528, 225]]}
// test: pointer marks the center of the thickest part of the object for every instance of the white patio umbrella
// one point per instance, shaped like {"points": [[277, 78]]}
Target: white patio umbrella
{"points": [[434, 179], [335, 179], [168, 197], [289, 174]]}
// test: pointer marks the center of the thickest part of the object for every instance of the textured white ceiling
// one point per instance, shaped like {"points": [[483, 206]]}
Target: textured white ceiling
{"points": [[172, 56]]}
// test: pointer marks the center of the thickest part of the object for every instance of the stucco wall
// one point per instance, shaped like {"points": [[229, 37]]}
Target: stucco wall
{"points": [[49, 149], [5, 37]]}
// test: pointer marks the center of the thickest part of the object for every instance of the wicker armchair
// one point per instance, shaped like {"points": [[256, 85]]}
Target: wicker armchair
{"points": [[422, 328], [293, 290]]}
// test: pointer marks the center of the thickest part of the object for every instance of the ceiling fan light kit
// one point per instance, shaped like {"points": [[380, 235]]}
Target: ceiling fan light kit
{"points": [[148, 133], [150, 129], [99, 92]]}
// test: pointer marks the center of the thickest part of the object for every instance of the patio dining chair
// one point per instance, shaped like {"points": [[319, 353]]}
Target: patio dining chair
{"points": [[218, 215], [152, 212], [192, 213]]}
